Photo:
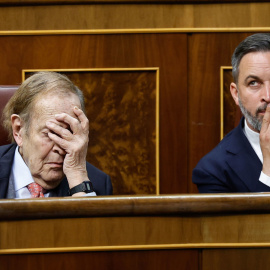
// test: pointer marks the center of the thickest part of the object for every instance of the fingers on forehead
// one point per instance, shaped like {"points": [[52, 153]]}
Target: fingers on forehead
{"points": [[80, 114]]}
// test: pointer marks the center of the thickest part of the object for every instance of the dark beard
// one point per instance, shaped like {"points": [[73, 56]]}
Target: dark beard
{"points": [[254, 121]]}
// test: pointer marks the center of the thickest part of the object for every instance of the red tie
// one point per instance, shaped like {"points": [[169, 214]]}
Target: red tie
{"points": [[36, 190]]}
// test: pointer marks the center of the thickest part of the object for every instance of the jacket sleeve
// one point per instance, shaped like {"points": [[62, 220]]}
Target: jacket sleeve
{"points": [[109, 188], [101, 181], [209, 183]]}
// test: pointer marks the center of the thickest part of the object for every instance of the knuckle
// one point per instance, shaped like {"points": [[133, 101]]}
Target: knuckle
{"points": [[76, 122], [85, 125], [65, 133], [64, 116]]}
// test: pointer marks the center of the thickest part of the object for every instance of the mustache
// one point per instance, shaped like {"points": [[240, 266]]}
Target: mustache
{"points": [[262, 108]]}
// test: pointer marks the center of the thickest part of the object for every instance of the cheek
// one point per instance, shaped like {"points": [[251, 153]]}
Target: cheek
{"points": [[45, 149], [44, 144], [252, 101], [41, 150], [248, 100], [39, 157]]}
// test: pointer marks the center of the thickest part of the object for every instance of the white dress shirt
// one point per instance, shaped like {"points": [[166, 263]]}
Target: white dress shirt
{"points": [[22, 177], [254, 139]]}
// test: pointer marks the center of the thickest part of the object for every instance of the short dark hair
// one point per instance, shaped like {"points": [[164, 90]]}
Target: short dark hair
{"points": [[23, 100], [255, 43]]}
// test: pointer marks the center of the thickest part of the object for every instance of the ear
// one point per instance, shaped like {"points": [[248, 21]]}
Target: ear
{"points": [[234, 93], [17, 128]]}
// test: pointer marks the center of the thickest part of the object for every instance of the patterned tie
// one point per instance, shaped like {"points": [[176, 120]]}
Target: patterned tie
{"points": [[36, 190]]}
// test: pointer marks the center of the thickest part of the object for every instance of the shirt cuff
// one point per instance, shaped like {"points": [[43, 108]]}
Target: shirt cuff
{"points": [[265, 179], [94, 193]]}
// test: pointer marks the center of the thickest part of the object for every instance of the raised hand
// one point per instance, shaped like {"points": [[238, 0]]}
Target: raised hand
{"points": [[71, 134], [265, 141]]}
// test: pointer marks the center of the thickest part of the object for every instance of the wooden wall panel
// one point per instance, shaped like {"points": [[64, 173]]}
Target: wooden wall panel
{"points": [[230, 113], [207, 52], [165, 51], [235, 259], [133, 16], [189, 83], [113, 260]]}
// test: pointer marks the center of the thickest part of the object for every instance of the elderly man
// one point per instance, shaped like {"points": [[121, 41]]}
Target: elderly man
{"points": [[46, 121], [241, 161]]}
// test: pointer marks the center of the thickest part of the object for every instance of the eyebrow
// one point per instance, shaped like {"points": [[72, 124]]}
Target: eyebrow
{"points": [[251, 77]]}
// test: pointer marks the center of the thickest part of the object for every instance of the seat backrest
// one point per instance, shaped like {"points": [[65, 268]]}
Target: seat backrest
{"points": [[6, 91]]}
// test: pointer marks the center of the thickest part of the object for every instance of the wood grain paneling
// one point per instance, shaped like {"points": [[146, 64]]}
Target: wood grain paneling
{"points": [[233, 259], [5, 94], [158, 232], [109, 223], [158, 260], [207, 52], [189, 67], [235, 236], [138, 223], [164, 51], [230, 112], [133, 16], [106, 232], [106, 206]]}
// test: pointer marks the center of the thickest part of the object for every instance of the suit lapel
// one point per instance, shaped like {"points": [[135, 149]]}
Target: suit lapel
{"points": [[6, 160], [61, 190], [243, 160]]}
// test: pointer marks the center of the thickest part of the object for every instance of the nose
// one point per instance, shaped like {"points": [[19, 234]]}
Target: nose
{"points": [[58, 149], [266, 93]]}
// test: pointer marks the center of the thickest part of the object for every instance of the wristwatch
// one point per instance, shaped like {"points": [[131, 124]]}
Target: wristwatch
{"points": [[85, 186]]}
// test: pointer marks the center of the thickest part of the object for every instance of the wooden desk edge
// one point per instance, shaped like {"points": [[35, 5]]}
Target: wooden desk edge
{"points": [[179, 205]]}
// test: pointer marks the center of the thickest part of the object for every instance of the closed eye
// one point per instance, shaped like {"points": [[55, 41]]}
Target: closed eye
{"points": [[45, 133]]}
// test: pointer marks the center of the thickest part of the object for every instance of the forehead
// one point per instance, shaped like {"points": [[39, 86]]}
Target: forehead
{"points": [[50, 104], [255, 63]]}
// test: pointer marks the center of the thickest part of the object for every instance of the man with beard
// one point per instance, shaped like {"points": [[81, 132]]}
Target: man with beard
{"points": [[241, 161]]}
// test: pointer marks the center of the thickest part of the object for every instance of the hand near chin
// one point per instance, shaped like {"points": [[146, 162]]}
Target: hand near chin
{"points": [[265, 141], [74, 142]]}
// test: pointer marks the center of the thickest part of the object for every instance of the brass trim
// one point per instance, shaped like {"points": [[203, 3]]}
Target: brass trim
{"points": [[222, 68], [87, 69], [157, 133], [108, 2], [135, 247], [133, 31], [121, 69]]}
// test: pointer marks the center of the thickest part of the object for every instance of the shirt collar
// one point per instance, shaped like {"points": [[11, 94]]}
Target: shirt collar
{"points": [[21, 173], [253, 137]]}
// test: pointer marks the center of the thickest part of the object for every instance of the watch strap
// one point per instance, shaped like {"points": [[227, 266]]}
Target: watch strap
{"points": [[85, 186]]}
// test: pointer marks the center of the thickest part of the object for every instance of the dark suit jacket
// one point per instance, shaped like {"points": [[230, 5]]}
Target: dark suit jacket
{"points": [[101, 181], [232, 166]]}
